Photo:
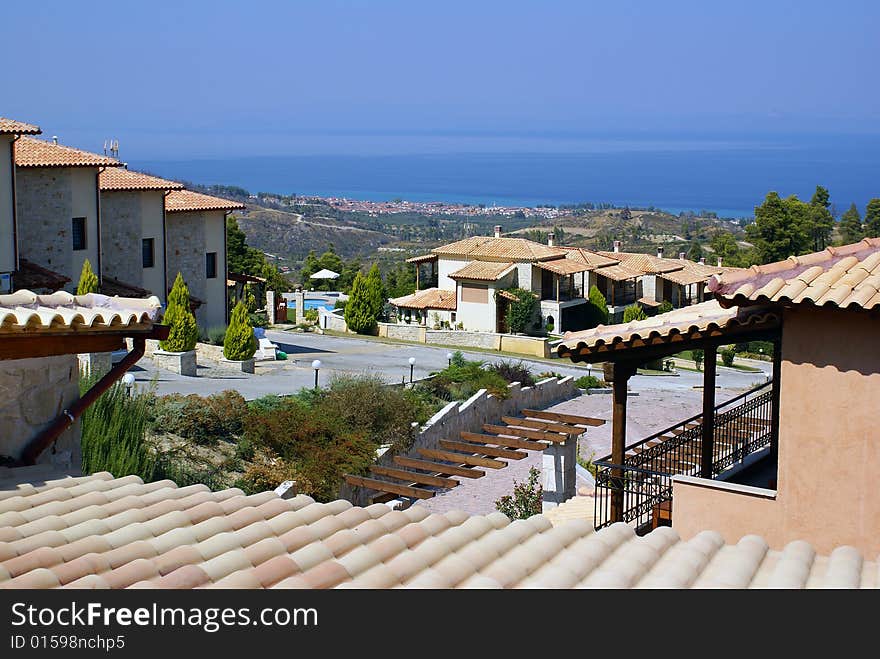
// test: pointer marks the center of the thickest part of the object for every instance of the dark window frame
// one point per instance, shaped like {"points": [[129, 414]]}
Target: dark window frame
{"points": [[148, 248], [82, 234], [211, 265]]}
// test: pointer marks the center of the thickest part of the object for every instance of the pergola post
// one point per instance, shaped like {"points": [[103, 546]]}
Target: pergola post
{"points": [[417, 275], [710, 364], [557, 289], [774, 410], [622, 373]]}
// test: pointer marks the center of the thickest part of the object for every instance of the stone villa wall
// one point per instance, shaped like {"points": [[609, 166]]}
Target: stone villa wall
{"points": [[186, 254], [33, 392], [121, 236], [44, 198], [470, 416]]}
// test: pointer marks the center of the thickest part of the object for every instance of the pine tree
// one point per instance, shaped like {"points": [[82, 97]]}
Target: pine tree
{"points": [[359, 310], [240, 342], [88, 280], [851, 229], [872, 219], [781, 228], [184, 332], [821, 219]]}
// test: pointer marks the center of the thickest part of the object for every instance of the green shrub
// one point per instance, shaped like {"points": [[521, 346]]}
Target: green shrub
{"points": [[549, 327], [665, 307], [88, 280], [598, 310], [589, 382], [213, 335], [462, 379], [587, 463], [521, 312], [201, 419], [184, 333], [239, 343], [513, 372], [258, 320], [113, 433], [633, 312], [549, 374], [311, 315], [698, 357], [727, 356], [525, 500], [340, 304]]}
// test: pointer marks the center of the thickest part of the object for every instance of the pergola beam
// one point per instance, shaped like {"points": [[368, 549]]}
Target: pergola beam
{"points": [[623, 371]]}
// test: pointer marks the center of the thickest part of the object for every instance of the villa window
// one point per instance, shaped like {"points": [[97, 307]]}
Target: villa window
{"points": [[148, 254], [78, 233], [211, 265]]}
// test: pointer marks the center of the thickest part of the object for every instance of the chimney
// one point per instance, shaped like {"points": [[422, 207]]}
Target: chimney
{"points": [[54, 139], [497, 230], [660, 252], [551, 239], [719, 261], [702, 260], [616, 245], [681, 256]]}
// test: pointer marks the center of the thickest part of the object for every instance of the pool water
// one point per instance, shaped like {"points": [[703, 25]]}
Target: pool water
{"points": [[313, 304]]}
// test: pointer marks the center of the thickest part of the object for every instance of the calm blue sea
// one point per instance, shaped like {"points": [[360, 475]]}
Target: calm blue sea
{"points": [[729, 177]]}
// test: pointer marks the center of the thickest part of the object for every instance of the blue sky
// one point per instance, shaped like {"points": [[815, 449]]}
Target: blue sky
{"points": [[205, 79]]}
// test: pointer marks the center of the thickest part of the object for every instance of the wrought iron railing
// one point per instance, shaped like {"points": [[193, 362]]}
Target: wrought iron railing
{"points": [[635, 490]]}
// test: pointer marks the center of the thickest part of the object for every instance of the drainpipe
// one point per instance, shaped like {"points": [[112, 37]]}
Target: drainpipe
{"points": [[15, 263], [69, 416], [98, 222]]}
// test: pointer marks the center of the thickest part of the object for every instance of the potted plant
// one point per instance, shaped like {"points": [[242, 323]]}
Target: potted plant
{"points": [[240, 343], [177, 352]]}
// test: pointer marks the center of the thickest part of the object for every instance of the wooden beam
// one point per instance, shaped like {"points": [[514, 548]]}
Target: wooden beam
{"points": [[384, 486], [710, 367], [438, 468], [461, 458], [496, 440], [547, 426], [413, 477], [34, 345], [774, 404], [563, 418], [554, 437], [482, 450], [622, 373]]}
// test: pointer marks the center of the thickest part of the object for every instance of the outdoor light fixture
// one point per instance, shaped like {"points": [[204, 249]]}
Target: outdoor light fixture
{"points": [[316, 365], [412, 363], [449, 359], [128, 381]]}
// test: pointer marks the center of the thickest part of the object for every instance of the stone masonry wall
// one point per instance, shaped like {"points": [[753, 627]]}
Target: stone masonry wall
{"points": [[186, 254], [121, 236], [44, 199], [33, 392], [470, 416]]}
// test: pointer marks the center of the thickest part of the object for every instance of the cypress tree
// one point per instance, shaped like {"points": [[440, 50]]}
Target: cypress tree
{"points": [[88, 280], [375, 292], [359, 309], [599, 304], [240, 342], [184, 332]]}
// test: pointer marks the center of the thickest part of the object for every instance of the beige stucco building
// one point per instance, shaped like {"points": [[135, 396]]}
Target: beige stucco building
{"points": [[58, 205], [10, 132], [133, 231], [195, 234]]}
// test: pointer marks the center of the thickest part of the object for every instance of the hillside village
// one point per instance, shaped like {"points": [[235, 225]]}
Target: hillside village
{"points": [[390, 475]]}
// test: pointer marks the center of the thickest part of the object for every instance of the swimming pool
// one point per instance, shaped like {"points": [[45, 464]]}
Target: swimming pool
{"points": [[312, 304]]}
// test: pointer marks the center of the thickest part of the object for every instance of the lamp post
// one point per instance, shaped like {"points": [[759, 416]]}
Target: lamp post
{"points": [[128, 381], [449, 359], [412, 363], [316, 364]]}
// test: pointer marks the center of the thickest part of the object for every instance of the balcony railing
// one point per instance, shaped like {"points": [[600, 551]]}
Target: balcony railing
{"points": [[643, 483]]}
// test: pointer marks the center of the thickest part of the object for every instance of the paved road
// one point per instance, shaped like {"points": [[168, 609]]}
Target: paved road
{"points": [[388, 360]]}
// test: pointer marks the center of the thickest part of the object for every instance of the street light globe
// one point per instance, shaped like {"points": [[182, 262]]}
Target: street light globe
{"points": [[412, 360], [128, 380], [316, 364], [449, 356]]}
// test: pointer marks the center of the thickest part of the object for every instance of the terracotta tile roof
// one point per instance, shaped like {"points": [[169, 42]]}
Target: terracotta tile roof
{"points": [[645, 263], [687, 321], [566, 266], [424, 258], [120, 178], [10, 126], [32, 152], [430, 298], [32, 276], [618, 272], [111, 286], [180, 201], [686, 276], [103, 532], [24, 311], [589, 257], [844, 277], [482, 271], [508, 249]]}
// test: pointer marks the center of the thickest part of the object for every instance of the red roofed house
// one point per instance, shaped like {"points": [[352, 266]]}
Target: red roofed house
{"points": [[58, 204], [10, 132], [196, 247]]}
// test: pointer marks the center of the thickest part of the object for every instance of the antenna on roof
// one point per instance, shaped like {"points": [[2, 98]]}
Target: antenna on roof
{"points": [[114, 148], [105, 147]]}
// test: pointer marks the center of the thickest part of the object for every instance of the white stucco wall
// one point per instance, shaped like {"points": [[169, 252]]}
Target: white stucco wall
{"points": [[152, 217], [215, 241], [7, 208], [476, 317], [446, 266]]}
